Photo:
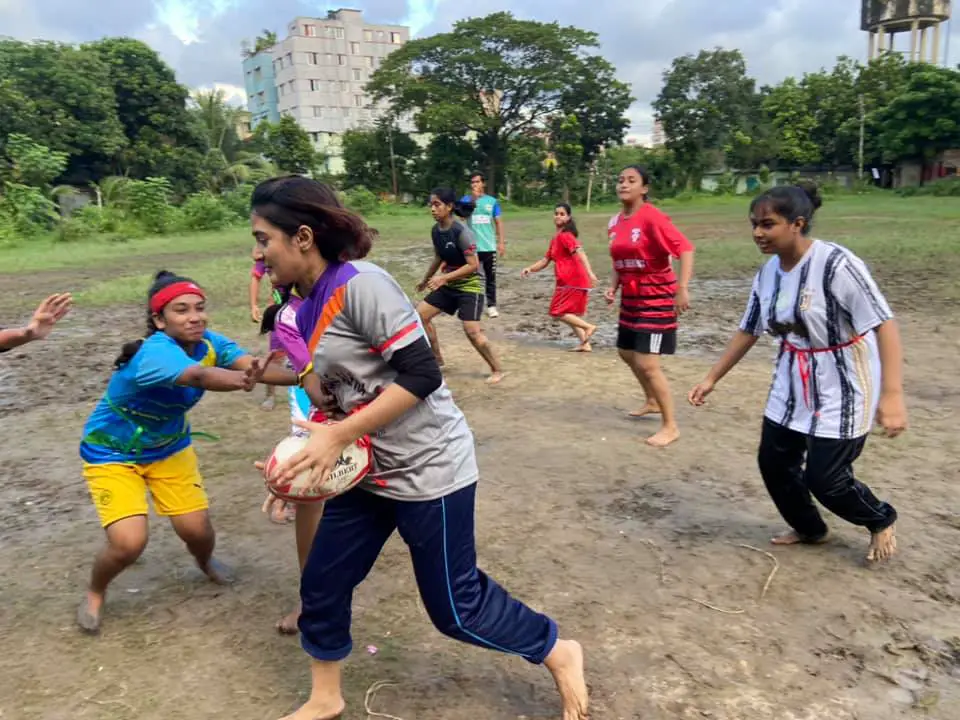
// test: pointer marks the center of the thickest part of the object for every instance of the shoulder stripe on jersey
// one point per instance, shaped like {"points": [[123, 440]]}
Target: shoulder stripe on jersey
{"points": [[833, 312], [331, 308], [399, 335], [861, 282]]}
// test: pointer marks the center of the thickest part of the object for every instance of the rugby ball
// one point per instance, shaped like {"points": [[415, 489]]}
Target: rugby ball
{"points": [[351, 467]]}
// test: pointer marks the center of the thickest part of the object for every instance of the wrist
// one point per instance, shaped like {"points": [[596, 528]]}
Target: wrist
{"points": [[29, 332], [892, 391]]}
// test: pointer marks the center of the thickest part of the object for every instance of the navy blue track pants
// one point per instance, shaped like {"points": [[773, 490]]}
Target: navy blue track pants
{"points": [[460, 599]]}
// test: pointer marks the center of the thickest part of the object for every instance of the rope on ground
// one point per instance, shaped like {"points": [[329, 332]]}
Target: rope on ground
{"points": [[776, 566], [368, 698]]}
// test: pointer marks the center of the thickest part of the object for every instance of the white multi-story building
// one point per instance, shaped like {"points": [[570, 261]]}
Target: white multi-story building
{"points": [[321, 68]]}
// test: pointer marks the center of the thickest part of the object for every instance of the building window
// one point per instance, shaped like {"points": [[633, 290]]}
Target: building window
{"points": [[283, 90], [358, 100], [345, 111], [310, 30], [313, 59], [368, 35], [395, 38], [278, 65], [369, 61], [289, 59], [293, 86], [316, 85], [338, 33], [317, 111], [357, 74], [341, 59], [380, 35], [344, 86], [354, 48]]}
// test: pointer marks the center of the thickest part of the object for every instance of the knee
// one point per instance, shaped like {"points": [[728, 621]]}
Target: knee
{"points": [[127, 548], [198, 534], [475, 335]]}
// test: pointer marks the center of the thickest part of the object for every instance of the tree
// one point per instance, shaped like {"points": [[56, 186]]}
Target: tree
{"points": [[287, 145], [152, 107], [565, 143], [787, 106], [704, 101], [68, 100], [832, 100], [374, 158], [447, 162], [924, 119], [497, 76]]}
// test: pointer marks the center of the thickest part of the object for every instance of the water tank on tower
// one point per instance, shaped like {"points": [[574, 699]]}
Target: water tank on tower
{"points": [[884, 20]]}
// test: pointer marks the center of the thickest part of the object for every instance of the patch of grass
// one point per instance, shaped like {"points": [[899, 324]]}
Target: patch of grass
{"points": [[912, 243]]}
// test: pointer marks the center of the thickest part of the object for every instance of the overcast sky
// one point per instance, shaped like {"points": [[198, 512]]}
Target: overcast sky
{"points": [[201, 38]]}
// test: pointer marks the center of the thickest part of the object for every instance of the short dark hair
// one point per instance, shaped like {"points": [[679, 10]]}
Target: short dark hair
{"points": [[293, 201], [791, 202], [478, 174]]}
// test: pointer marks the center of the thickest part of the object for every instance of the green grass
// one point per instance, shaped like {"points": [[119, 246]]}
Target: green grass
{"points": [[912, 244]]}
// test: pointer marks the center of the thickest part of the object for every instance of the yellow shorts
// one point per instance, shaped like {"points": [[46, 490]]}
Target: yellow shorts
{"points": [[119, 490]]}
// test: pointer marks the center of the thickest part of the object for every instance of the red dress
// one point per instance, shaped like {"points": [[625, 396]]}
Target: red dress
{"points": [[641, 247], [573, 282]]}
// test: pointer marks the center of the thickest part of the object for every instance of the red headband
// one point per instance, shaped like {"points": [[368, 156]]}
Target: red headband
{"points": [[160, 299]]}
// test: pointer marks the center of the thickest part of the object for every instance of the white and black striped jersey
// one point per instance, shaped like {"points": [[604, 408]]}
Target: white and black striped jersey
{"points": [[824, 303]]}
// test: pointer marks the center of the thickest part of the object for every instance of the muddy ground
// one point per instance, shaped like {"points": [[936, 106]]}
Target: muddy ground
{"points": [[639, 553]]}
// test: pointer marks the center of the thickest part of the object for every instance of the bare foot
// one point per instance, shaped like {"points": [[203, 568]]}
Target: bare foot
{"points": [[319, 710], [217, 572], [565, 663], [269, 404], [664, 436], [589, 333], [585, 346], [650, 408], [288, 623], [88, 614], [495, 378], [883, 545], [792, 537]]}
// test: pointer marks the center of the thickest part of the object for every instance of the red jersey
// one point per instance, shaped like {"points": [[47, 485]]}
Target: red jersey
{"points": [[641, 247], [567, 267]]}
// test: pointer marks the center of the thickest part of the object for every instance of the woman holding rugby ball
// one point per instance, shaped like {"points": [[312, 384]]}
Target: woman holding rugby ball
{"points": [[369, 348], [138, 438]]}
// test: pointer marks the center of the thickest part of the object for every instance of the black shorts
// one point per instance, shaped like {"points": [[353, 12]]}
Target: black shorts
{"points": [[468, 306], [645, 342]]}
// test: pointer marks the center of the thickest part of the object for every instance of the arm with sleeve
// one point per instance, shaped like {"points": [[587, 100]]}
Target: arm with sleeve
{"points": [[160, 362], [858, 294]]}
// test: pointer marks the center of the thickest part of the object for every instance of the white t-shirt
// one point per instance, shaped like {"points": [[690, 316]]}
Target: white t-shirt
{"points": [[825, 302]]}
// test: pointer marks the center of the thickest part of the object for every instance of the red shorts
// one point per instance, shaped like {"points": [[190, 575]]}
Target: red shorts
{"points": [[569, 301]]}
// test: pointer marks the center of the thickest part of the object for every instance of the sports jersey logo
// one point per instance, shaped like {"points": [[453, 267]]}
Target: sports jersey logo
{"points": [[806, 297], [635, 235]]}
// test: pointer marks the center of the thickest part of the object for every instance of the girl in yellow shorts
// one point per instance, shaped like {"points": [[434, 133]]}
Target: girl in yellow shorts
{"points": [[138, 439]]}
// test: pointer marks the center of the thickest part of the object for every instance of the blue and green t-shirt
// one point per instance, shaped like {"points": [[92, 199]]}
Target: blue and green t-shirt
{"points": [[482, 221], [142, 416]]}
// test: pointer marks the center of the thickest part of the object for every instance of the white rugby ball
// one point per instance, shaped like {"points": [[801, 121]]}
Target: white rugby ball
{"points": [[351, 467]]}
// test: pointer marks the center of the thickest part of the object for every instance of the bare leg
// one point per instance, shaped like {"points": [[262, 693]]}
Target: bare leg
{"points": [[649, 366], [306, 524], [126, 540], [427, 312], [196, 530], [482, 345], [326, 698], [565, 663], [583, 330], [269, 399], [650, 406]]}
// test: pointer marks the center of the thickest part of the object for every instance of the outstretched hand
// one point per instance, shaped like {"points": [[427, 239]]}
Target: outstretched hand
{"points": [[48, 314], [254, 374]]}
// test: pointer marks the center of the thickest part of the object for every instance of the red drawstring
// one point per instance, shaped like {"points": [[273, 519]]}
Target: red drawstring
{"points": [[803, 360]]}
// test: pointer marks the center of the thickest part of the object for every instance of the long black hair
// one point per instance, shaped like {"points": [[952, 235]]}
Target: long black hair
{"points": [[461, 208], [791, 202], [293, 201], [163, 279], [570, 226]]}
